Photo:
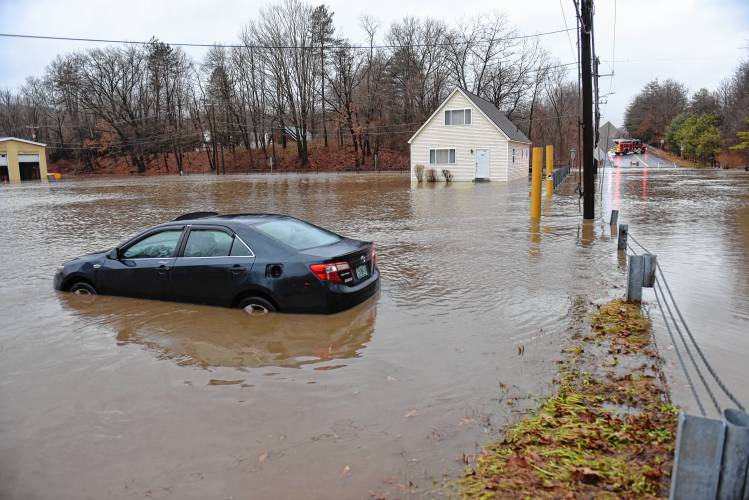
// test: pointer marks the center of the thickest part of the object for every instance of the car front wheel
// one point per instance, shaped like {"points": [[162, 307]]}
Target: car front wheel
{"points": [[83, 288], [256, 306]]}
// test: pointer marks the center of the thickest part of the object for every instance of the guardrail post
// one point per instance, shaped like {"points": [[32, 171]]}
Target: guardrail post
{"points": [[634, 278], [622, 241], [649, 262], [733, 470], [699, 447], [614, 217]]}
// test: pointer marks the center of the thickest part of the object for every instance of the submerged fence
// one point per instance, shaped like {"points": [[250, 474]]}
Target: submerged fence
{"points": [[712, 455], [559, 174]]}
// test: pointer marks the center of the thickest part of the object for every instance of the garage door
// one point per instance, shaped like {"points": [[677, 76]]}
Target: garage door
{"points": [[28, 158]]}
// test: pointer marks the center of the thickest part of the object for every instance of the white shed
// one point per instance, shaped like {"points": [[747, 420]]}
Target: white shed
{"points": [[471, 138]]}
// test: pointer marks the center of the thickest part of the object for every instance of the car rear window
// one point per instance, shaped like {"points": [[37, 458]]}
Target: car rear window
{"points": [[297, 234]]}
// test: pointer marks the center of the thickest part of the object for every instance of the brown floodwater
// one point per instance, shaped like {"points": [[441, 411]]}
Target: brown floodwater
{"points": [[106, 397]]}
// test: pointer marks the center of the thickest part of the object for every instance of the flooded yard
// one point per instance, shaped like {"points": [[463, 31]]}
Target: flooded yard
{"points": [[109, 397]]}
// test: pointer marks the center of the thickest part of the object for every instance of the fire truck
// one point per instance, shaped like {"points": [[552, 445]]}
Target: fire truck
{"points": [[628, 146]]}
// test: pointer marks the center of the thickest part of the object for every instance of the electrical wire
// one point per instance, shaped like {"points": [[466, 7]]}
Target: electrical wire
{"points": [[569, 38], [613, 52], [275, 47]]}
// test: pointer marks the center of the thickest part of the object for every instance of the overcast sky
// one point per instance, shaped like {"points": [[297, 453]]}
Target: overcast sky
{"points": [[698, 42]]}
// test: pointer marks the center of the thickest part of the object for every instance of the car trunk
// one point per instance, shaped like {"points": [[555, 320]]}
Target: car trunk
{"points": [[357, 254]]}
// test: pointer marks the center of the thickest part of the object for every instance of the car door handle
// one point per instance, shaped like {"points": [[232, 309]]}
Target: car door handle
{"points": [[162, 270], [237, 269]]}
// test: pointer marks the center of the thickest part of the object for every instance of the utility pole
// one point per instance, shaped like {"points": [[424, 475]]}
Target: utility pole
{"points": [[586, 28]]}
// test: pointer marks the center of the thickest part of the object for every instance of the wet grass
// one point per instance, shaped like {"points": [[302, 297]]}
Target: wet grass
{"points": [[608, 431]]}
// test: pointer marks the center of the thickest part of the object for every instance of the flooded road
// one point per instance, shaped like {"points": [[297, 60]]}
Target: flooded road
{"points": [[697, 223], [110, 397]]}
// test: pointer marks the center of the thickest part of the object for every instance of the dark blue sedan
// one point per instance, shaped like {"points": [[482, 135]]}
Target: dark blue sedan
{"points": [[257, 262]]}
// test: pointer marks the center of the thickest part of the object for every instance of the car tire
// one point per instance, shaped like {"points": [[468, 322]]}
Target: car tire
{"points": [[256, 306], [83, 288]]}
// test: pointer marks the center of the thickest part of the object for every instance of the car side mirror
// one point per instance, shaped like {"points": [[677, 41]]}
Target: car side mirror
{"points": [[114, 254]]}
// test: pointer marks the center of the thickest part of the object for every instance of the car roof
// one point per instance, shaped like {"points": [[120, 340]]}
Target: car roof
{"points": [[218, 219]]}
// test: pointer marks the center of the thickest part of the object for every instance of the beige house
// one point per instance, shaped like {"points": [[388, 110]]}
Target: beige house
{"points": [[22, 160], [472, 139]]}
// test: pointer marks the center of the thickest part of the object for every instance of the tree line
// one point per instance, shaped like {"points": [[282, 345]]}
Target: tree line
{"points": [[697, 127], [290, 80]]}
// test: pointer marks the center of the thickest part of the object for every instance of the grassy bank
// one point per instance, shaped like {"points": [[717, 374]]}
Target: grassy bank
{"points": [[608, 431]]}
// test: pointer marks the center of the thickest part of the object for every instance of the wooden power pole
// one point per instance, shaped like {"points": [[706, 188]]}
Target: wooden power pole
{"points": [[586, 33]]}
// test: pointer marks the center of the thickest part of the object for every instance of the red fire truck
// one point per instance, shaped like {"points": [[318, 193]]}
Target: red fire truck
{"points": [[628, 146]]}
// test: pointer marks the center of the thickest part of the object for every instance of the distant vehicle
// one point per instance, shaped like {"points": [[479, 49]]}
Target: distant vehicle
{"points": [[628, 146], [258, 262]]}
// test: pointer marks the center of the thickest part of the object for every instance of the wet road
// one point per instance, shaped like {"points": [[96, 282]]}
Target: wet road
{"points": [[121, 398], [697, 223]]}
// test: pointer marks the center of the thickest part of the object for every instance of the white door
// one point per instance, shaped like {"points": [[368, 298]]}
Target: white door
{"points": [[482, 163]]}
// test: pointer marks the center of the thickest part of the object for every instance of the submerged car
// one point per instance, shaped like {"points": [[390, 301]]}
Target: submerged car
{"points": [[258, 262]]}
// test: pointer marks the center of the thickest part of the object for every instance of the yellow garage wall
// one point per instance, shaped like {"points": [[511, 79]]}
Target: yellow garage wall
{"points": [[12, 149]]}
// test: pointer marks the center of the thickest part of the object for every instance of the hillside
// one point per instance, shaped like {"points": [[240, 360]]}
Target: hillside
{"points": [[321, 159]]}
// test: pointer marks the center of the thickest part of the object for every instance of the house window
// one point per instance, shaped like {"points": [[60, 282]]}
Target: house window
{"points": [[513, 155], [441, 156], [458, 117]]}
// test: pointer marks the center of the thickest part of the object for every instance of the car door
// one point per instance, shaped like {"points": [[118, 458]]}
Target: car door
{"points": [[143, 267], [212, 266]]}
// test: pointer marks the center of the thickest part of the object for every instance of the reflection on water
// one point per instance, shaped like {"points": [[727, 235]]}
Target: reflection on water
{"points": [[217, 337]]}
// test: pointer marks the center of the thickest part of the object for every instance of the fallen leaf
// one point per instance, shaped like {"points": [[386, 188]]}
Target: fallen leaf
{"points": [[262, 457], [411, 413], [586, 474], [346, 471], [216, 381]]}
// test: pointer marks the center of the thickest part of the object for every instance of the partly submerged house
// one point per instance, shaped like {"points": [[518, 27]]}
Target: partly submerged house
{"points": [[473, 140], [22, 160]]}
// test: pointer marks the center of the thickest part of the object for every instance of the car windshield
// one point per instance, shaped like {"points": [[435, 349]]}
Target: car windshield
{"points": [[297, 234]]}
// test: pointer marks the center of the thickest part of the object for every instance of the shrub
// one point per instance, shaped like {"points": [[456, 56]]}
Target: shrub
{"points": [[420, 173]]}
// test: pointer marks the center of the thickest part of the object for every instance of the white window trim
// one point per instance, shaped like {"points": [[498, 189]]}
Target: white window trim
{"points": [[464, 124], [448, 148]]}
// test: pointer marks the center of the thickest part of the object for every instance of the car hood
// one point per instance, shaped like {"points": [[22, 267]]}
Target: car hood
{"points": [[89, 256]]}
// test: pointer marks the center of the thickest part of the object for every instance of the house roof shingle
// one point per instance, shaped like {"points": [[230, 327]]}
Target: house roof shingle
{"points": [[497, 117]]}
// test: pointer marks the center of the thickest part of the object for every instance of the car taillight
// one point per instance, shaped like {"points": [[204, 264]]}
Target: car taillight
{"points": [[330, 272], [374, 257]]}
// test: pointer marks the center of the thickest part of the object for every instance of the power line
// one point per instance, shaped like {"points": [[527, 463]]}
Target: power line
{"points": [[276, 47], [569, 38], [613, 52]]}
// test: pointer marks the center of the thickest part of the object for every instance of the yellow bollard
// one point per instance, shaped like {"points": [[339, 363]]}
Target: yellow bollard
{"points": [[549, 169], [538, 158]]}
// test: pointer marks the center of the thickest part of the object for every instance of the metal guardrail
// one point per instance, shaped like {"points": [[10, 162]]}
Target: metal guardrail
{"points": [[558, 175], [712, 454]]}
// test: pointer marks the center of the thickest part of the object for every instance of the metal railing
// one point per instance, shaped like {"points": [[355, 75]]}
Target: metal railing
{"points": [[712, 455], [558, 175]]}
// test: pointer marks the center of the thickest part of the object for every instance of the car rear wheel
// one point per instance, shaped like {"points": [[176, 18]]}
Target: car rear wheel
{"points": [[83, 288], [256, 306]]}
